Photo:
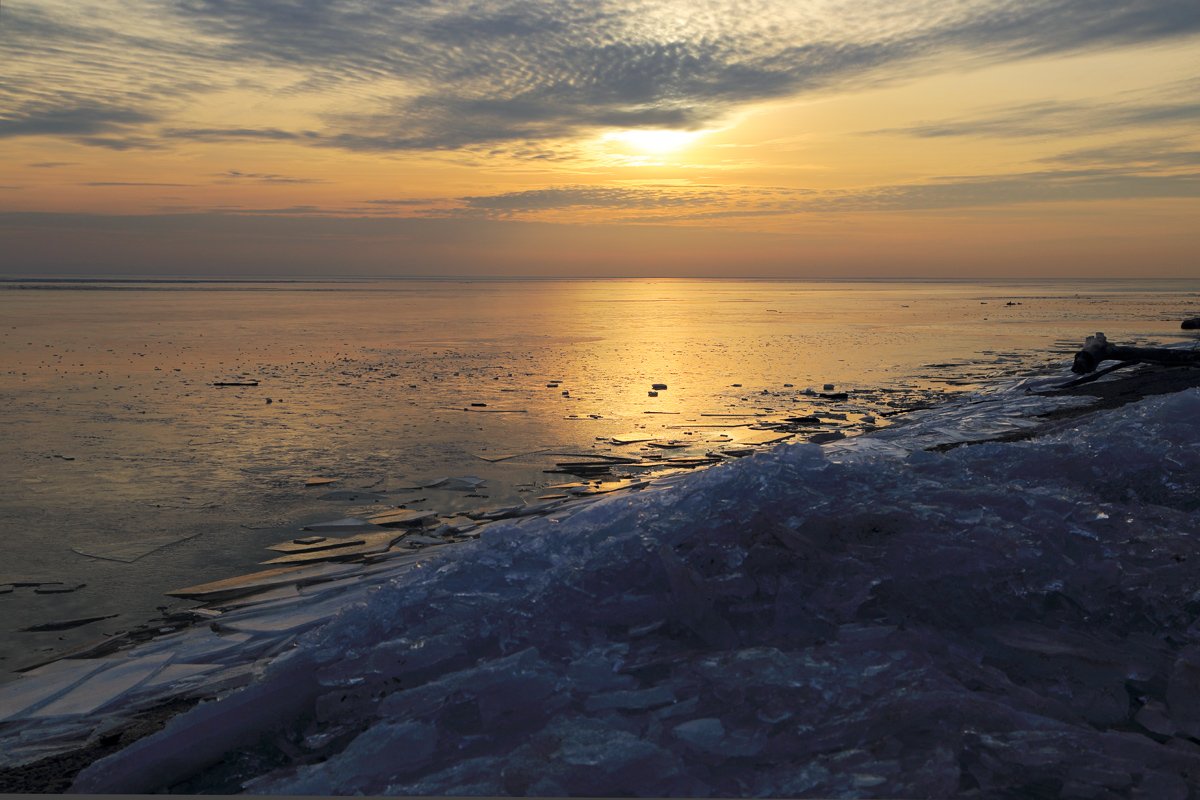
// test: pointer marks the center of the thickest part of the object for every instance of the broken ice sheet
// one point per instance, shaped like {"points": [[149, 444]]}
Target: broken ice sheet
{"points": [[120, 548], [338, 524], [465, 483], [258, 581], [43, 684], [358, 546], [632, 438], [320, 481], [401, 516], [103, 687]]}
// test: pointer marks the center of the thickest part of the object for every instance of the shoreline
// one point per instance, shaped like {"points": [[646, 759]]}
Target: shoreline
{"points": [[40, 774]]}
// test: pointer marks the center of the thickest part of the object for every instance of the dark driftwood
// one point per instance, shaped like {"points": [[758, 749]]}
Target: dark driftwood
{"points": [[1191, 324], [1097, 348]]}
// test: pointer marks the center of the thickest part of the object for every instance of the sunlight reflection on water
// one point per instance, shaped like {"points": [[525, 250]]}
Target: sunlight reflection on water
{"points": [[115, 440]]}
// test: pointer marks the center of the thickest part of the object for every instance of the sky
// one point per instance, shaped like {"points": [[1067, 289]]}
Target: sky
{"points": [[579, 138]]}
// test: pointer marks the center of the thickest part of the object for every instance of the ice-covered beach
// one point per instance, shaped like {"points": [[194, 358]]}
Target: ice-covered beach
{"points": [[880, 616]]}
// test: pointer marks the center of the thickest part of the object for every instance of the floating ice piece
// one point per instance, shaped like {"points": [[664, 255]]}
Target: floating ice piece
{"points": [[368, 543], [58, 588], [63, 625], [320, 481], [632, 438], [464, 483], [338, 524], [764, 437], [309, 544], [351, 495], [401, 516], [506, 456], [258, 581], [127, 551], [258, 598]]}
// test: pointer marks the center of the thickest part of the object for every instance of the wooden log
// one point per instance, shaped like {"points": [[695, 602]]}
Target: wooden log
{"points": [[1097, 348]]}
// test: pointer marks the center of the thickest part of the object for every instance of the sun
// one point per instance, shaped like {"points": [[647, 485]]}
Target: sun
{"points": [[654, 141]]}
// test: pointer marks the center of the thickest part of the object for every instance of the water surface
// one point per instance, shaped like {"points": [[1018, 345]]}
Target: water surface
{"points": [[124, 468]]}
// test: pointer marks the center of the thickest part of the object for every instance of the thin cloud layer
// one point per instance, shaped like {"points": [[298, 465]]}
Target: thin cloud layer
{"points": [[396, 76], [1052, 118]]}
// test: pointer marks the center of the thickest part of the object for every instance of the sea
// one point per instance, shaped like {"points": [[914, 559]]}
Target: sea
{"points": [[156, 434]]}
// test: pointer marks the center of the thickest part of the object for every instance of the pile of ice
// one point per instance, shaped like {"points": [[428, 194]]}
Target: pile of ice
{"points": [[1014, 619]]}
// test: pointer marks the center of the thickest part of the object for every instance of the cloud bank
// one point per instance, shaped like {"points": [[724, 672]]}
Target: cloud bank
{"points": [[414, 75]]}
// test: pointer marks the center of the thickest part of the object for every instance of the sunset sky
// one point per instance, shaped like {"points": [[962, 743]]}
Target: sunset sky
{"points": [[959, 138]]}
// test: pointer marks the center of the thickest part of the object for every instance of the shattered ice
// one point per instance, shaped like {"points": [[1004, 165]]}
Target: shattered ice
{"points": [[1007, 619]]}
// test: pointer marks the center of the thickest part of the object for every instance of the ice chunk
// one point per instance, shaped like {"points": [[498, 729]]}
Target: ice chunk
{"points": [[258, 581], [104, 687], [44, 684], [464, 483], [381, 755], [704, 734]]}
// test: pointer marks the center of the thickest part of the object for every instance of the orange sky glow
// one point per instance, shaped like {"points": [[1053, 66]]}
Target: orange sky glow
{"points": [[601, 138]]}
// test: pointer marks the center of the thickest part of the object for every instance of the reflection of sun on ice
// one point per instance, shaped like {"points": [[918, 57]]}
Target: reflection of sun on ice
{"points": [[656, 141]]}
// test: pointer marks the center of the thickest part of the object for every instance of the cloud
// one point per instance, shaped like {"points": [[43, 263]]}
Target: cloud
{"points": [[402, 202], [237, 176], [1081, 185], [131, 183], [1143, 154], [423, 75], [492, 72], [52, 164], [72, 120], [235, 134], [588, 197], [1174, 104], [671, 204]]}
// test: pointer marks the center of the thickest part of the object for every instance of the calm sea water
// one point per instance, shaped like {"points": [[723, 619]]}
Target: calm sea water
{"points": [[124, 468]]}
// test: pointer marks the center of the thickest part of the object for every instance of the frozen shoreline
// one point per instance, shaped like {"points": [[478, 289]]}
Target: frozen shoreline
{"points": [[630, 618]]}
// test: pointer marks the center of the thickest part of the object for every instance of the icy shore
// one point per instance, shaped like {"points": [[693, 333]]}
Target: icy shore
{"points": [[860, 619]]}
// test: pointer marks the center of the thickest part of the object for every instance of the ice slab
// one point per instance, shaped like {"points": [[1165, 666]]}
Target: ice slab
{"points": [[360, 546], [41, 685], [632, 438], [258, 581], [466, 483], [104, 687], [339, 524], [174, 674], [127, 551], [401, 516], [293, 618], [763, 437]]}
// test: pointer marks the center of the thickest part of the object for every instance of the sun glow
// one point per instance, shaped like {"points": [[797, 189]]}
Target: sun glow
{"points": [[657, 141]]}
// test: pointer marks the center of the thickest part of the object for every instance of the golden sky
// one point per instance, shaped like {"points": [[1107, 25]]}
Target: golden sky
{"points": [[958, 138]]}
